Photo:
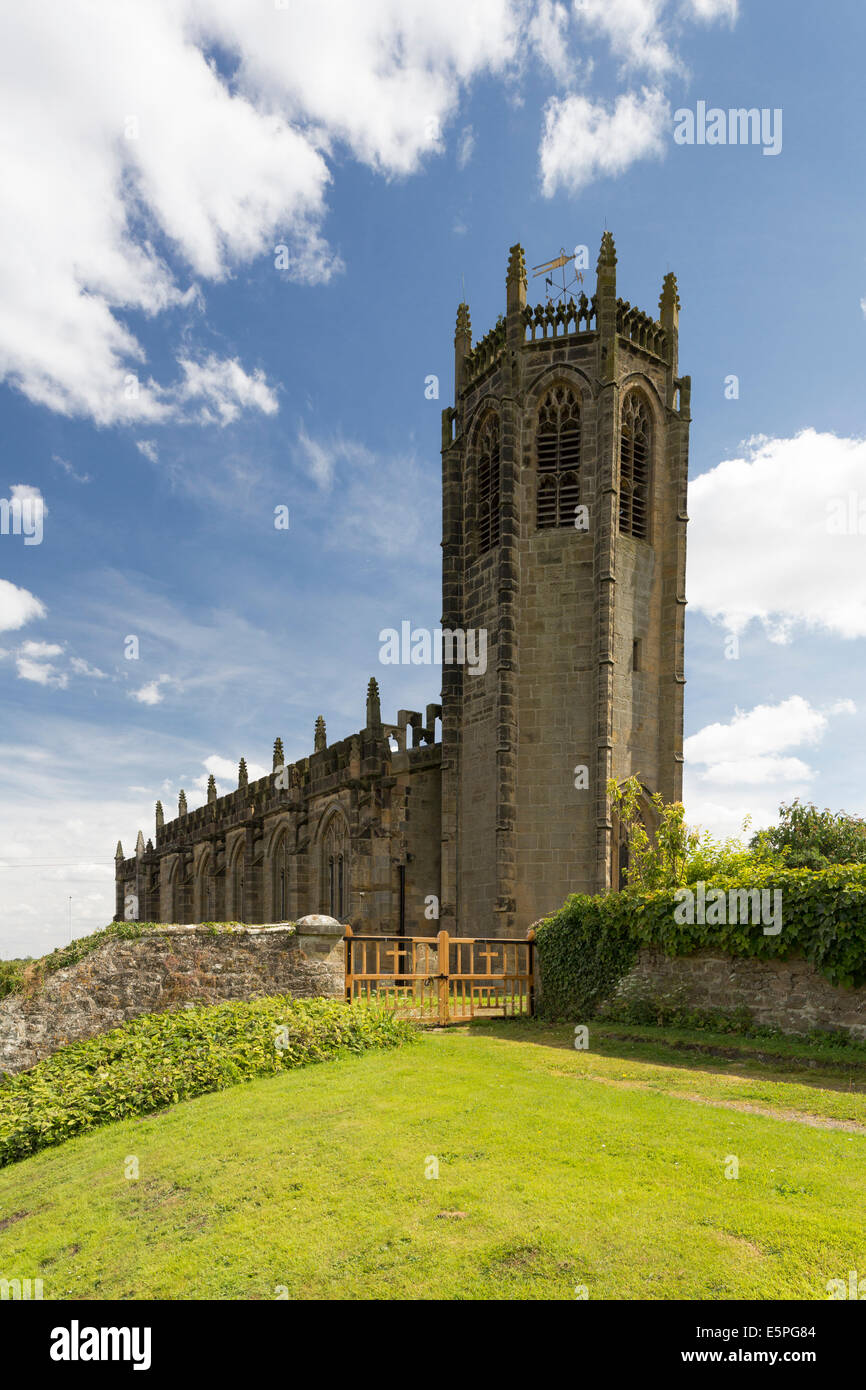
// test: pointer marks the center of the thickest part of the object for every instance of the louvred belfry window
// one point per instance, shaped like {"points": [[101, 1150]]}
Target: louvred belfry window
{"points": [[488, 485], [634, 468], [557, 443]]}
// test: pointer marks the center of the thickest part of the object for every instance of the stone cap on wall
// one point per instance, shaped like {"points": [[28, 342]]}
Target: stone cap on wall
{"points": [[320, 925], [315, 924]]}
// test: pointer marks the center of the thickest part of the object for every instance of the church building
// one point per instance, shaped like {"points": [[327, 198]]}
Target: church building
{"points": [[564, 481]]}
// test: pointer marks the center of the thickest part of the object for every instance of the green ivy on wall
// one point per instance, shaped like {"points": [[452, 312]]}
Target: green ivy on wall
{"points": [[586, 948]]}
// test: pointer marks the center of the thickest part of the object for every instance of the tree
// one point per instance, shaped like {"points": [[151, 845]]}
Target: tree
{"points": [[807, 838]]}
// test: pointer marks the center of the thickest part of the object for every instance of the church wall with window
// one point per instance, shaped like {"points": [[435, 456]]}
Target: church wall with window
{"points": [[352, 831], [556, 706], [582, 591], [480, 539]]}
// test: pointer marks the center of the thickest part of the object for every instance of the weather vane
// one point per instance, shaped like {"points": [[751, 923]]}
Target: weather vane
{"points": [[554, 290]]}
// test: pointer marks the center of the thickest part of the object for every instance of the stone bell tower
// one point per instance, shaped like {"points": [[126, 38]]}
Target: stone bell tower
{"points": [[564, 466]]}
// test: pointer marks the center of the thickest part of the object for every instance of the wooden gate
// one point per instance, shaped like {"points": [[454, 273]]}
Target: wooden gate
{"points": [[442, 979]]}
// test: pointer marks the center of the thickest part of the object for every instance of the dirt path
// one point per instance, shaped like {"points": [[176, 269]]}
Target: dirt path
{"points": [[747, 1107]]}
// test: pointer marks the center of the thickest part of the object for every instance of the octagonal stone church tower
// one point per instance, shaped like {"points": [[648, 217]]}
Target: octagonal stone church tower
{"points": [[564, 474], [565, 463]]}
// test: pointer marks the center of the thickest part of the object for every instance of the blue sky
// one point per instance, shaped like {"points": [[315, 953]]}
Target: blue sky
{"points": [[158, 155]]}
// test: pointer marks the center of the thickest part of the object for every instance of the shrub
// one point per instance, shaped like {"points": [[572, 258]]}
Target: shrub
{"points": [[586, 948], [674, 853], [12, 975], [583, 951], [813, 839], [159, 1059], [671, 1009]]}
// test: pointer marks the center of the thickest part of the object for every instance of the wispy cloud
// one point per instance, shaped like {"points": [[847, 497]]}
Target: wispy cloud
{"points": [[69, 470], [465, 146]]}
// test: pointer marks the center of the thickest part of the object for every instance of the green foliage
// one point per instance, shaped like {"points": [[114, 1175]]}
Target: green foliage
{"points": [[672, 1010], [557, 1167], [823, 919], [12, 975], [675, 853], [24, 976], [583, 951], [657, 861], [813, 839], [159, 1059], [711, 859], [586, 948]]}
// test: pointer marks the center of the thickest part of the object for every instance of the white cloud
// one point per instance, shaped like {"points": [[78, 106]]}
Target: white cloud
{"points": [[320, 457], [793, 513], [226, 773], [32, 661], [23, 513], [766, 729], [712, 9], [383, 77], [151, 693], [548, 35], [148, 448], [465, 146], [35, 661], [375, 501], [26, 492], [83, 668], [117, 120], [69, 470], [18, 606], [756, 772], [226, 389], [583, 139], [40, 649], [752, 750], [633, 28]]}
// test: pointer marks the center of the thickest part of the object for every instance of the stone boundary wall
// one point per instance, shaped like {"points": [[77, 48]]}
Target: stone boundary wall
{"points": [[165, 969], [787, 994]]}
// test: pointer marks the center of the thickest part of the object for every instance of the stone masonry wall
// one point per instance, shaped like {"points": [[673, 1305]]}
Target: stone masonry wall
{"points": [[165, 969], [787, 994]]}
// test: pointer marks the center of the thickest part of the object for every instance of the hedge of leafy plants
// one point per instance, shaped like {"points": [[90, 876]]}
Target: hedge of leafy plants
{"points": [[159, 1059], [586, 948]]}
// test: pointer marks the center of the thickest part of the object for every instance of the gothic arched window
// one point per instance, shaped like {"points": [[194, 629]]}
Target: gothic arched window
{"points": [[634, 467], [557, 449], [236, 907], [336, 868], [206, 888], [487, 463], [281, 877]]}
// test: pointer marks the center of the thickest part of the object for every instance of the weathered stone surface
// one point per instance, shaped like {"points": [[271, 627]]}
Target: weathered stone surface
{"points": [[787, 994], [165, 969]]}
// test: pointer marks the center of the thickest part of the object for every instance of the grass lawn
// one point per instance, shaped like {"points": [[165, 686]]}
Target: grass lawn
{"points": [[557, 1168]]}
